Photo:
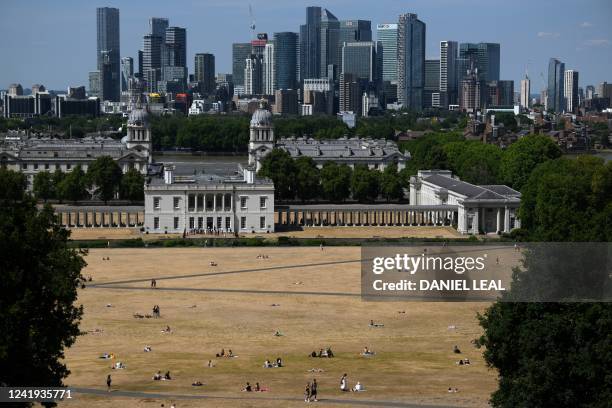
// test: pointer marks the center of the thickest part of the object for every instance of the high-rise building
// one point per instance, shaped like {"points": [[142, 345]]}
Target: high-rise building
{"points": [[253, 75], [15, 90], [411, 61], [470, 91], [204, 68], [590, 92], [387, 50], [157, 26], [570, 88], [604, 90], [555, 94], [350, 31], [108, 52], [329, 40], [36, 88], [525, 92], [350, 94], [359, 59], [151, 54], [175, 52], [286, 102], [269, 69], [485, 56], [449, 83], [285, 50], [94, 83], [499, 93], [240, 53], [431, 88], [140, 63], [127, 71], [310, 44]]}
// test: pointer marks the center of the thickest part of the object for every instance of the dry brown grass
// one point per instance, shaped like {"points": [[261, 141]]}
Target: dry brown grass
{"points": [[414, 361]]}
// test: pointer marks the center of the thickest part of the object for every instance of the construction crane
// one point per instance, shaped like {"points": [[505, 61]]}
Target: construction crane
{"points": [[252, 26]]}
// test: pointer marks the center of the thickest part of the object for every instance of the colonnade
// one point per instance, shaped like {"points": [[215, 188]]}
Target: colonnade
{"points": [[76, 218]]}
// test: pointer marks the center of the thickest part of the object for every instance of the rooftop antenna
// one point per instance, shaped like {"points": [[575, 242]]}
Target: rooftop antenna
{"points": [[252, 26]]}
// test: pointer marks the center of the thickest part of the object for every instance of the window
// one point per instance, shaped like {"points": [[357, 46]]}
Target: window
{"points": [[68, 166], [24, 166], [176, 223], [219, 222], [263, 201], [262, 222], [191, 223], [57, 167], [46, 166], [228, 223], [156, 203], [242, 222], [35, 166], [156, 223], [243, 203], [177, 203]]}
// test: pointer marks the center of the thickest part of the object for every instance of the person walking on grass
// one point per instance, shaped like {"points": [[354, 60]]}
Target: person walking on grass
{"points": [[313, 390], [108, 382], [307, 393]]}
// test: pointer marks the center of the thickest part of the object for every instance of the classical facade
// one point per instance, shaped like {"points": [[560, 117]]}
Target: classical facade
{"points": [[33, 154], [479, 209], [198, 197], [374, 153]]}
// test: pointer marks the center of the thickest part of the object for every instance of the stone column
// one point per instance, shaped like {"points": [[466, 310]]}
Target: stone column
{"points": [[506, 219], [499, 220]]}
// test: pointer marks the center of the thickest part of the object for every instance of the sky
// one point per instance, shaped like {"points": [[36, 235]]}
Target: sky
{"points": [[53, 42]]}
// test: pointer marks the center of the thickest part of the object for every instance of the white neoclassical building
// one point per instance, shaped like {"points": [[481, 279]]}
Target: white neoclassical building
{"points": [[480, 209], [33, 154]]}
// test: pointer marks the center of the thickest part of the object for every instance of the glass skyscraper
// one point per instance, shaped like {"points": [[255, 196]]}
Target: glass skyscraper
{"points": [[387, 50], [359, 60], [411, 61], [449, 83], [127, 71], [286, 59], [555, 95], [240, 52], [432, 82], [310, 44], [204, 72], [485, 56], [108, 52]]}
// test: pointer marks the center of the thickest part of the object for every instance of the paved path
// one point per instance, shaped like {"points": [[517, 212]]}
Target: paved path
{"points": [[139, 394]]}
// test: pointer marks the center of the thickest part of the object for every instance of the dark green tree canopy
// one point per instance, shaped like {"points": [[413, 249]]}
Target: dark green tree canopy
{"points": [[106, 174], [336, 181], [38, 289], [307, 179], [132, 186], [281, 169]]}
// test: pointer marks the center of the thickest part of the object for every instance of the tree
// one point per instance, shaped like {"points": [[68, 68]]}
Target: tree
{"points": [[132, 186], [336, 181], [38, 289], [391, 186], [72, 186], [307, 179], [43, 186], [106, 174], [473, 161], [365, 184], [519, 160], [280, 168]]}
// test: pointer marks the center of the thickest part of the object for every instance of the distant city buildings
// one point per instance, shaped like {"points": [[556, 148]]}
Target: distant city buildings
{"points": [[431, 88], [108, 53], [555, 94], [524, 99], [570, 89], [204, 72], [411, 61], [448, 73], [286, 61]]}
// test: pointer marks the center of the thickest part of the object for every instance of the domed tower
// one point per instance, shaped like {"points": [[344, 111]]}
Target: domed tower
{"points": [[261, 136], [139, 133]]}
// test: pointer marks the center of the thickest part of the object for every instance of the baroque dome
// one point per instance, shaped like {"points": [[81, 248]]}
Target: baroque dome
{"points": [[261, 117], [138, 117]]}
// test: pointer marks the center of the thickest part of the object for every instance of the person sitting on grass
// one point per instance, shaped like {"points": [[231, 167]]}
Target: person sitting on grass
{"points": [[247, 388], [267, 364], [157, 376], [257, 387], [456, 350], [197, 383], [221, 354], [279, 362], [210, 364], [167, 376], [344, 383], [358, 387], [313, 354], [230, 354], [329, 352], [147, 349]]}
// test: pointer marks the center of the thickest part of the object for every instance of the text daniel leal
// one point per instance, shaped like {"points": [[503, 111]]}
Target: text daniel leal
{"points": [[449, 284]]}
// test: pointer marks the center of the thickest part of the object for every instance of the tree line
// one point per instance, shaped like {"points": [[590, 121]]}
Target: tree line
{"points": [[104, 176], [301, 179]]}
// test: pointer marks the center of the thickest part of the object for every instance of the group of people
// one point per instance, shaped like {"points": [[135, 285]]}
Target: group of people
{"points": [[367, 352], [310, 393], [229, 353], [323, 353], [158, 376], [262, 256], [257, 388], [153, 283], [344, 386], [464, 361], [277, 364]]}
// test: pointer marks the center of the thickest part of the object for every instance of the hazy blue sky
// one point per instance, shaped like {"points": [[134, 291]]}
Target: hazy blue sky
{"points": [[53, 42]]}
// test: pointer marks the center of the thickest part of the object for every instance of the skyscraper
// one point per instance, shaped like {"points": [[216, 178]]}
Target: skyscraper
{"points": [[449, 83], [485, 56], [269, 69], [204, 68], [329, 41], [387, 50], [350, 94], [310, 44], [157, 26], [570, 88], [350, 31], [359, 59], [253, 75], [555, 94], [471, 91], [411, 61], [175, 54], [151, 61], [525, 92], [240, 52], [285, 49], [108, 52], [127, 71], [431, 88]]}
